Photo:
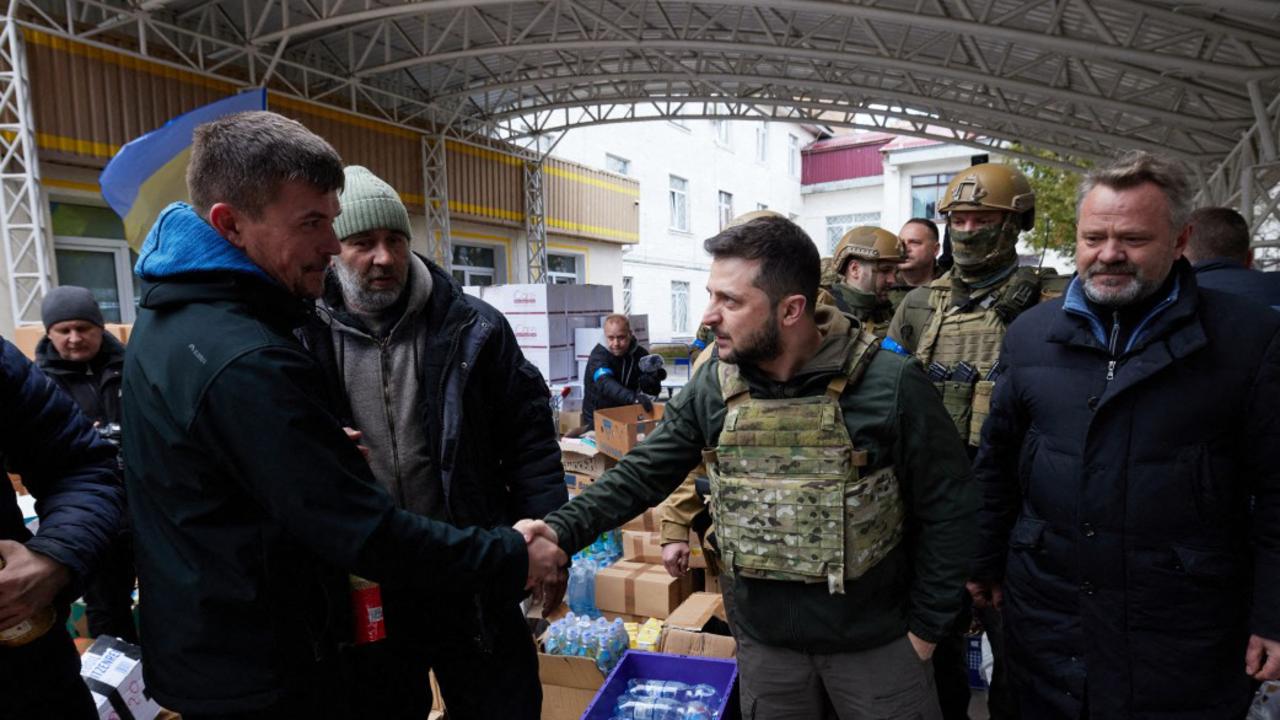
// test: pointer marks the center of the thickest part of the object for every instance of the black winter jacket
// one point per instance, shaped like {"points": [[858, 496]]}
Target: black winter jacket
{"points": [[488, 414], [1232, 277], [612, 381], [251, 506], [64, 463], [1117, 489], [95, 385]]}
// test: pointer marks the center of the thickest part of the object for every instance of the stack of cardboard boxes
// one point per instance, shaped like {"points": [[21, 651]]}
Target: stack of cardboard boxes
{"points": [[544, 318]]}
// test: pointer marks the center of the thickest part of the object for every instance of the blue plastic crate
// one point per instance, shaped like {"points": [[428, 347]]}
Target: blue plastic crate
{"points": [[973, 661], [717, 672]]}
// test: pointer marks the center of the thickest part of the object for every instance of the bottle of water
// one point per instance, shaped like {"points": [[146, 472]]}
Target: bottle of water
{"points": [[630, 708], [671, 689], [582, 589]]}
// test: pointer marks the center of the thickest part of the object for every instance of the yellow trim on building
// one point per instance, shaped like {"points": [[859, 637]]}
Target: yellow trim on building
{"points": [[72, 185], [485, 210], [594, 229], [92, 52], [592, 181], [346, 118], [485, 153]]}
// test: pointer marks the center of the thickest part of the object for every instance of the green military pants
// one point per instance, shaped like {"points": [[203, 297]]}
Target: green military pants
{"points": [[885, 682]]}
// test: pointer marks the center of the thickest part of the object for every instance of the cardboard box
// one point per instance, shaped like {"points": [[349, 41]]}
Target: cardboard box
{"points": [[568, 684], [26, 337], [583, 458], [712, 583], [120, 330], [640, 589], [585, 340], [534, 298], [569, 420], [646, 521], [112, 668], [576, 483], [645, 547], [541, 331], [719, 673], [620, 429], [555, 364], [687, 628]]}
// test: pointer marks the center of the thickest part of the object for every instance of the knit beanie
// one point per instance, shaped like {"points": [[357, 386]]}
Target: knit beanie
{"points": [[69, 302], [368, 203]]}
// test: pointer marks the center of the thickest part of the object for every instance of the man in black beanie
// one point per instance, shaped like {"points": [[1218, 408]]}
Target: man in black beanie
{"points": [[86, 362]]}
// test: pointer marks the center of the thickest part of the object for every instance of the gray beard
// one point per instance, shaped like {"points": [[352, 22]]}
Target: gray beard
{"points": [[359, 298], [1137, 289]]}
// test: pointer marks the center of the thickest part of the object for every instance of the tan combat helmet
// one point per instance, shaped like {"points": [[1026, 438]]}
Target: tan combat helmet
{"points": [[991, 186], [745, 218], [868, 243]]}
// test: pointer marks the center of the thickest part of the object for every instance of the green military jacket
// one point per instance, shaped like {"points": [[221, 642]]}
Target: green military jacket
{"points": [[872, 313], [894, 414]]}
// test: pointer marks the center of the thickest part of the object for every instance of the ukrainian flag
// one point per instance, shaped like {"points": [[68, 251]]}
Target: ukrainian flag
{"points": [[150, 172]]}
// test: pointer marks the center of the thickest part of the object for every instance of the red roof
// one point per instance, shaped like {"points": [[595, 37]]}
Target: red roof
{"points": [[850, 140]]}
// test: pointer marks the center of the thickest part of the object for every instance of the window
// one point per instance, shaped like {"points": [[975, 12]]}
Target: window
{"points": [[563, 269], [725, 207], [926, 194], [721, 128], [679, 202], [103, 266], [89, 250], [475, 265], [838, 225], [620, 165], [626, 295], [679, 307], [762, 143], [793, 155]]}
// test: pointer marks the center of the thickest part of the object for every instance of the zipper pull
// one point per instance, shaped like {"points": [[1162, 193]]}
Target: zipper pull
{"points": [[1111, 370]]}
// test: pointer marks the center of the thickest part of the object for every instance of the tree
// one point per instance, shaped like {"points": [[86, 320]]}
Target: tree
{"points": [[1055, 189]]}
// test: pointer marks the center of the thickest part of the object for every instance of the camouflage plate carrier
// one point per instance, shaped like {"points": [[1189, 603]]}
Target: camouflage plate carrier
{"points": [[787, 492], [973, 333]]}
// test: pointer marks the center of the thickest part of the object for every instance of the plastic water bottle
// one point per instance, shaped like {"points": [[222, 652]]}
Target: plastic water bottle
{"points": [[630, 708], [582, 589], [672, 689]]}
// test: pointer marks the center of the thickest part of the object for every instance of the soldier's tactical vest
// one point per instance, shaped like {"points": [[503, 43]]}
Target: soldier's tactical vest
{"points": [[787, 493], [973, 333]]}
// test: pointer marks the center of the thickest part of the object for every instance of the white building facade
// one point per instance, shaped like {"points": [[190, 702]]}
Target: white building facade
{"points": [[694, 177]]}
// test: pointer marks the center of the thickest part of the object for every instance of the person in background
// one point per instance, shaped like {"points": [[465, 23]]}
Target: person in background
{"points": [[1219, 252], [71, 472], [921, 239], [619, 372], [86, 361], [458, 427], [865, 261]]}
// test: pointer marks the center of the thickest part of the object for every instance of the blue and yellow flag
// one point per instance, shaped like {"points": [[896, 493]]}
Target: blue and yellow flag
{"points": [[150, 172]]}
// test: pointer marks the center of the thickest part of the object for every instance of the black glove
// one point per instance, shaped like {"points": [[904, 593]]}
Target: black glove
{"points": [[650, 363], [646, 400]]}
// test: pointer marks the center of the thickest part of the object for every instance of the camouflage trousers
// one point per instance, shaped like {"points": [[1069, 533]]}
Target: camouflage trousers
{"points": [[889, 681]]}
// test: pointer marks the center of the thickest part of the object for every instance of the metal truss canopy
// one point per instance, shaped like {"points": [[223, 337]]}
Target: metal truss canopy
{"points": [[1086, 79]]}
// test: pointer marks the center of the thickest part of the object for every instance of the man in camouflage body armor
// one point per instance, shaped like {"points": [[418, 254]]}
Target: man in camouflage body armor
{"points": [[841, 495], [955, 326], [865, 262]]}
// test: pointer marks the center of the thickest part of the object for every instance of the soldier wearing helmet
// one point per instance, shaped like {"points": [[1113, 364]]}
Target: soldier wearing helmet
{"points": [[955, 326], [865, 262]]}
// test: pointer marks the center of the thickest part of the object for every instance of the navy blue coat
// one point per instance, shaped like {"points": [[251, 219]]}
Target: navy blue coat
{"points": [[1117, 489], [64, 463], [1232, 277]]}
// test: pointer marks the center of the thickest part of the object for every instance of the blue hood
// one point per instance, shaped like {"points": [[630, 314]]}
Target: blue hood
{"points": [[182, 242]]}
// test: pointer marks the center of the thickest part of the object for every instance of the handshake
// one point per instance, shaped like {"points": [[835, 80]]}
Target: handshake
{"points": [[548, 565]]}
